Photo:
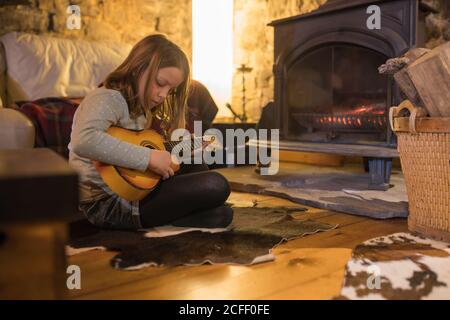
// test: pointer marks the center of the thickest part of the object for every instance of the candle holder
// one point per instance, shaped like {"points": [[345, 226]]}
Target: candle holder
{"points": [[243, 69]]}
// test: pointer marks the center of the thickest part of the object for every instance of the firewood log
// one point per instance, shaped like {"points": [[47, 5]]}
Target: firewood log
{"points": [[430, 75], [397, 67], [393, 65], [407, 87]]}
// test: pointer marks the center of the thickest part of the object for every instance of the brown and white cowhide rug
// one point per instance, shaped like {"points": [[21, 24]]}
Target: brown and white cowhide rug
{"points": [[400, 266], [254, 233]]}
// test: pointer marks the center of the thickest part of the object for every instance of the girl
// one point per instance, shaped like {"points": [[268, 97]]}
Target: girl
{"points": [[153, 81]]}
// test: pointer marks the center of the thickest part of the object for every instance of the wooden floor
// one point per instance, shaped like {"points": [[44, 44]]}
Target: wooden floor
{"points": [[311, 267]]}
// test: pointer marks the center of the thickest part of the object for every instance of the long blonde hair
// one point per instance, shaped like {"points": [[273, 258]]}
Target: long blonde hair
{"points": [[153, 52]]}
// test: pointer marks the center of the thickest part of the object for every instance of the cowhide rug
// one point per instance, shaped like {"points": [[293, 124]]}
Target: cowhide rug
{"points": [[341, 189], [400, 266], [254, 233]]}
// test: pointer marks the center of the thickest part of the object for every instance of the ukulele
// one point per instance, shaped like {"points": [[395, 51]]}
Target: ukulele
{"points": [[134, 185]]}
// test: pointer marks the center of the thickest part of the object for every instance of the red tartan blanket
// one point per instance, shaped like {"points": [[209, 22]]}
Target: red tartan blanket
{"points": [[53, 117]]}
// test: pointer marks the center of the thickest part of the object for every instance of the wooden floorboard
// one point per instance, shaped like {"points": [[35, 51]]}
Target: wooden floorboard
{"points": [[311, 267]]}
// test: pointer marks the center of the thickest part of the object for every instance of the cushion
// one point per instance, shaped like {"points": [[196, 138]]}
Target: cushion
{"points": [[44, 66]]}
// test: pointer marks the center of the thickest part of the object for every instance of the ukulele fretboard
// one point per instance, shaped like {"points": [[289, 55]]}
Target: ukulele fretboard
{"points": [[194, 144]]}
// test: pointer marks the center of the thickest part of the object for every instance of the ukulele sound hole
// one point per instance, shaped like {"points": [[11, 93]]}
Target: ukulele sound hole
{"points": [[148, 144]]}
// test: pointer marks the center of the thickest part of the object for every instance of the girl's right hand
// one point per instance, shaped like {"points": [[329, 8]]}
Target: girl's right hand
{"points": [[160, 163]]}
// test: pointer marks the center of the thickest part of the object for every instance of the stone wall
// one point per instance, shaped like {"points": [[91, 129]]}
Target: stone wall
{"points": [[104, 20], [437, 22], [253, 46]]}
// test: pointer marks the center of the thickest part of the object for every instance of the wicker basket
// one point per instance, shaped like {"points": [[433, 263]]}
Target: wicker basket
{"points": [[424, 147]]}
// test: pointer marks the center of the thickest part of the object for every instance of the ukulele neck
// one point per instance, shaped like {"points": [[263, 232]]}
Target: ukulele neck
{"points": [[193, 143]]}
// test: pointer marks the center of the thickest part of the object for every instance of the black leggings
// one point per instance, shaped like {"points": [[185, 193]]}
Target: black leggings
{"points": [[194, 190]]}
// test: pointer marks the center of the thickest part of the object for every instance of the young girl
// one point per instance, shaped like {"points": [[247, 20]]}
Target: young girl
{"points": [[153, 81]]}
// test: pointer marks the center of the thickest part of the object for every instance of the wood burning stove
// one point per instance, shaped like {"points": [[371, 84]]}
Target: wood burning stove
{"points": [[335, 94], [329, 96]]}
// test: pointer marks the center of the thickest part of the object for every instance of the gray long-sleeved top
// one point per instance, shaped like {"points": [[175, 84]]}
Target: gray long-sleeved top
{"points": [[99, 110]]}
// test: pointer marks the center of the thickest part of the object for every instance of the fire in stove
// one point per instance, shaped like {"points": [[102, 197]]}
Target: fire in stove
{"points": [[364, 118]]}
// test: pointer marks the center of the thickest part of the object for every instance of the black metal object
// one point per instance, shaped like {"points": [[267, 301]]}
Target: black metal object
{"points": [[379, 172], [331, 32], [343, 23]]}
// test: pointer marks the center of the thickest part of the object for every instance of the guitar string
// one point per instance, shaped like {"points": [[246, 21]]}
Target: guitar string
{"points": [[172, 144]]}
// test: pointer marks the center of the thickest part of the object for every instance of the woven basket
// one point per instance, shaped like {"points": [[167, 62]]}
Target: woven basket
{"points": [[424, 148]]}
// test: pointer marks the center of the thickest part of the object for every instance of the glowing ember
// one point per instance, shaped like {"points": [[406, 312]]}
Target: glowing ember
{"points": [[367, 117], [369, 109]]}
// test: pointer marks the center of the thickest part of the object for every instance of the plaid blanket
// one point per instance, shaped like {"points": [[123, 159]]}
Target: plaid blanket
{"points": [[53, 117]]}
